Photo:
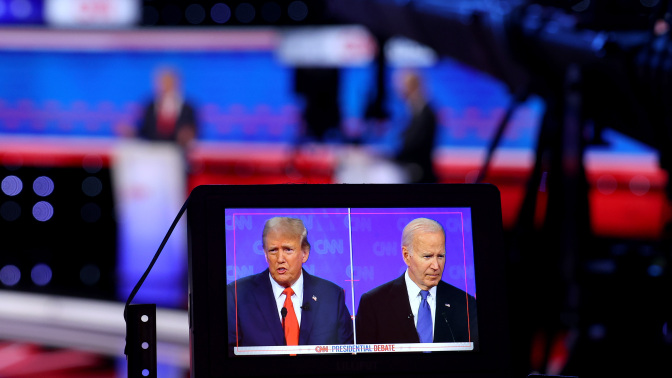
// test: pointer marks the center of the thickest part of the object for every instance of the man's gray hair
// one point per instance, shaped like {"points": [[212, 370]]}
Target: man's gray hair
{"points": [[419, 225], [292, 226]]}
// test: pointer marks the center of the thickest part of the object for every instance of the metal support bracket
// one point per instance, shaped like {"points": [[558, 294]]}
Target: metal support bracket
{"points": [[141, 341]]}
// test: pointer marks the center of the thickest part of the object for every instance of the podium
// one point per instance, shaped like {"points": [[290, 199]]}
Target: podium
{"points": [[149, 181]]}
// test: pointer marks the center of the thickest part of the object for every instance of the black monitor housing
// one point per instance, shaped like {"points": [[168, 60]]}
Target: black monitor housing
{"points": [[208, 280]]}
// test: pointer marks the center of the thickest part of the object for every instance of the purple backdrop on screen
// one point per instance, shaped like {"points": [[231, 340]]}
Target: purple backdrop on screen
{"points": [[357, 249]]}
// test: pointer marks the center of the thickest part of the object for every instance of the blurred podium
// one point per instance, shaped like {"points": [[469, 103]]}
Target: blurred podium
{"points": [[357, 165], [149, 180]]}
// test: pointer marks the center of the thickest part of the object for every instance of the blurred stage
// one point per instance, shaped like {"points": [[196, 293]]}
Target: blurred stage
{"points": [[70, 96], [627, 189]]}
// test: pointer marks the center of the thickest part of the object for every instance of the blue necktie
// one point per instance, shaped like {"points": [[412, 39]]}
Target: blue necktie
{"points": [[424, 319]]}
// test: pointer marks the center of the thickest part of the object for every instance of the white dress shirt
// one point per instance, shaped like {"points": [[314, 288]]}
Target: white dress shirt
{"points": [[297, 298], [414, 299]]}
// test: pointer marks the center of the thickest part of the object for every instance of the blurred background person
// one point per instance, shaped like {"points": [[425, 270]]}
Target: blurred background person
{"points": [[418, 138], [155, 161], [168, 116]]}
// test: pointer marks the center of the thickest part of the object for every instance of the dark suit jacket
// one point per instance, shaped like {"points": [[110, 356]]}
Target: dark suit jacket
{"points": [[384, 315], [324, 318], [148, 125]]}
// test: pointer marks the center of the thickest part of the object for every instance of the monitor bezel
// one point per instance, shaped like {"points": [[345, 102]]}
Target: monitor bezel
{"points": [[207, 280]]}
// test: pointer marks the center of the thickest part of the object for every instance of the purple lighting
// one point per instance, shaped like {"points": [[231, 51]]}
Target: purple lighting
{"points": [[41, 274], [10, 275], [12, 185], [43, 211], [43, 186]]}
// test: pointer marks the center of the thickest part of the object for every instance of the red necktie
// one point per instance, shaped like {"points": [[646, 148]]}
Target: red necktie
{"points": [[165, 121], [291, 322]]}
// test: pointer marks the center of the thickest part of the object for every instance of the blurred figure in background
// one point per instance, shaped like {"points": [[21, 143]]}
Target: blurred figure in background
{"points": [[413, 162], [168, 116], [415, 155], [154, 161]]}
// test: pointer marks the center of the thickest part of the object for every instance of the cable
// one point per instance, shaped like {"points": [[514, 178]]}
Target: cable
{"points": [[156, 257], [516, 100]]}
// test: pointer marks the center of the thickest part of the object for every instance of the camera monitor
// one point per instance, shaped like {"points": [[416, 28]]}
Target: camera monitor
{"points": [[357, 259]]}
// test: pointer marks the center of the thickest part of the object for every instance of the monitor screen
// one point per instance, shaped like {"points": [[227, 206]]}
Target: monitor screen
{"points": [[357, 259], [357, 249]]}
